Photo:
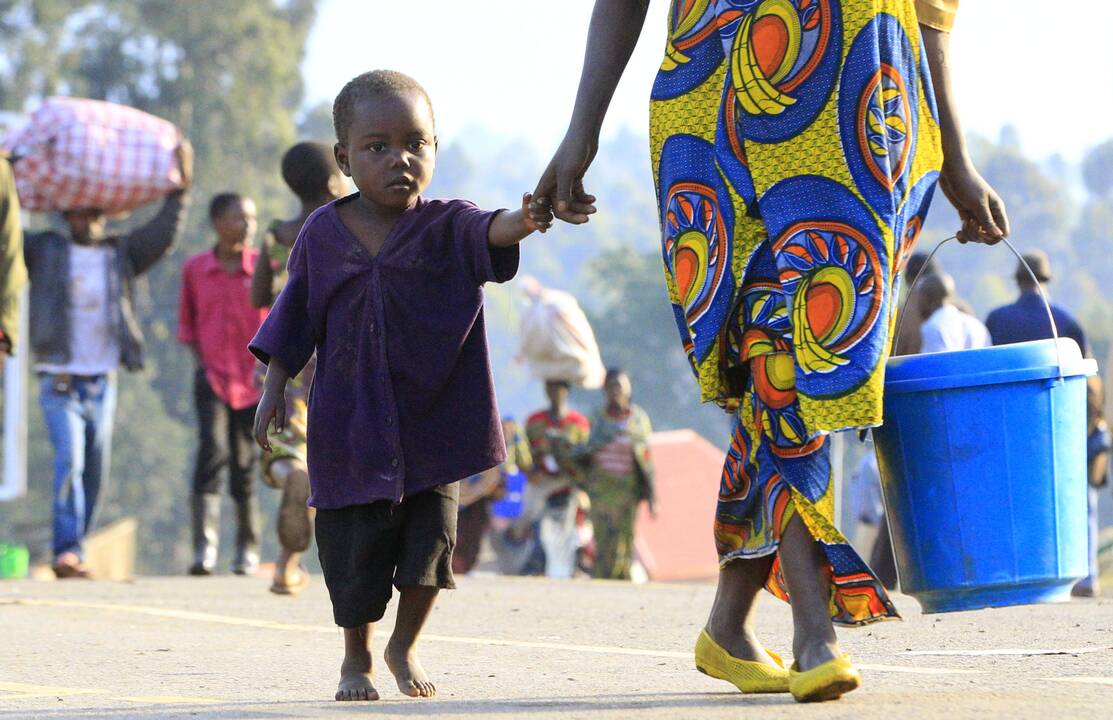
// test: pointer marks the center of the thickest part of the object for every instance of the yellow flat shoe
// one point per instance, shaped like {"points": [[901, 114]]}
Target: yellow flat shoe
{"points": [[746, 675], [829, 681]]}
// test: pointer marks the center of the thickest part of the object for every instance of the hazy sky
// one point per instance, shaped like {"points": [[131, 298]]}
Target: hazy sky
{"points": [[513, 65]]}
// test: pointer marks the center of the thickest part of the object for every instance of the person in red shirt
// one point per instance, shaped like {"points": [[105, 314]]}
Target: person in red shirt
{"points": [[552, 498], [216, 322]]}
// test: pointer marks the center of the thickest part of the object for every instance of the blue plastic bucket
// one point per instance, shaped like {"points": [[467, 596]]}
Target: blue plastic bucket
{"points": [[983, 467]]}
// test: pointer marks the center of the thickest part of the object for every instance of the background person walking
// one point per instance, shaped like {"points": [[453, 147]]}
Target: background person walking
{"points": [[620, 476], [216, 322], [13, 270], [83, 327], [1026, 319], [310, 172], [551, 495]]}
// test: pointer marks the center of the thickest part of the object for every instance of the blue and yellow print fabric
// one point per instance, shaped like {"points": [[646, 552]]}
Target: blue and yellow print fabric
{"points": [[795, 148], [810, 126]]}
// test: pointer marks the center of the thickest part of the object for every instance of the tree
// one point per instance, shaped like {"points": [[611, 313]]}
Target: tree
{"points": [[228, 74], [1097, 170], [1039, 211], [634, 325]]}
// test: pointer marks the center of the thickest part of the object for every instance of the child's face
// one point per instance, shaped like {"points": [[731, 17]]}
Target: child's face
{"points": [[235, 225], [391, 149]]}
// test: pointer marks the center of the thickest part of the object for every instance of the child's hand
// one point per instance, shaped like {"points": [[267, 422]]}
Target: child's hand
{"points": [[272, 406], [538, 213]]}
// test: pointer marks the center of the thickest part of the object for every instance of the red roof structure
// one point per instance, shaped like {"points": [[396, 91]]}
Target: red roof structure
{"points": [[679, 545]]}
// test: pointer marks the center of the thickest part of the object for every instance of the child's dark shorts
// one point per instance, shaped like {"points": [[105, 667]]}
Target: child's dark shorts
{"points": [[365, 549]]}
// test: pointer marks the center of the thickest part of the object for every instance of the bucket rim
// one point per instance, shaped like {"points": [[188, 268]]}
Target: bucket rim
{"points": [[1018, 362]]}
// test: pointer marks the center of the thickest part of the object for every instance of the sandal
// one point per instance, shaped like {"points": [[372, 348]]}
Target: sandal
{"points": [[69, 565], [284, 588], [746, 675], [828, 681]]}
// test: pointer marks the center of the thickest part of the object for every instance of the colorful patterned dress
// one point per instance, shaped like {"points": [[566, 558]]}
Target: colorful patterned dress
{"points": [[619, 475], [795, 148]]}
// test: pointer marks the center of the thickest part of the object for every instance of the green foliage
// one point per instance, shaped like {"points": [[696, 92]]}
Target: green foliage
{"points": [[1097, 170], [637, 331], [228, 74]]}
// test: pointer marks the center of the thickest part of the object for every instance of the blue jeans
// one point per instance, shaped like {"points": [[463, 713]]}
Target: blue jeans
{"points": [[79, 420]]}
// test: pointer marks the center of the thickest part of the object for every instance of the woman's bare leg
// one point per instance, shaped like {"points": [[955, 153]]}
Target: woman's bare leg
{"points": [[809, 587], [731, 623]]}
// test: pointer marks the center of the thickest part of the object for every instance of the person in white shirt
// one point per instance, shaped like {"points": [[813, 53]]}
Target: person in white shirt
{"points": [[947, 327]]}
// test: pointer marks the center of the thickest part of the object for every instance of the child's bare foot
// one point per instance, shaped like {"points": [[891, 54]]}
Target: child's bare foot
{"points": [[407, 671], [355, 680]]}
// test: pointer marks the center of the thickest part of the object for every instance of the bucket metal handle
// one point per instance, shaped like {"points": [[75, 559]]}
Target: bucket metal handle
{"points": [[1024, 264]]}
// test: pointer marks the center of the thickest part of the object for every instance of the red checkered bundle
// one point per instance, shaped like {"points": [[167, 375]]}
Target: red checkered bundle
{"points": [[75, 154]]}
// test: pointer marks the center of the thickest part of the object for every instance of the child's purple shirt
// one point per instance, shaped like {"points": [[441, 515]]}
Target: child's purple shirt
{"points": [[403, 398]]}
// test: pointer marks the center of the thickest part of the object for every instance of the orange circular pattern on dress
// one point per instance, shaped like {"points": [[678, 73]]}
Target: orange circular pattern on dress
{"points": [[687, 268], [824, 304], [770, 39]]}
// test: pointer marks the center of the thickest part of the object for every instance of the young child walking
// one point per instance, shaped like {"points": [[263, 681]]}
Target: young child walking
{"points": [[386, 287]]}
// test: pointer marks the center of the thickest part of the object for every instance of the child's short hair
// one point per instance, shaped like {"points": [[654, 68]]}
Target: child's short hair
{"points": [[307, 167], [370, 83], [221, 202]]}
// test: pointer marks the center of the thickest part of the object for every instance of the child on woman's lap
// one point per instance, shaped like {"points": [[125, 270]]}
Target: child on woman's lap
{"points": [[386, 287]]}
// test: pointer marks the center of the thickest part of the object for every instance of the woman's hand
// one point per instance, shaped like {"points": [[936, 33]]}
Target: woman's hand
{"points": [[561, 187], [980, 208], [272, 406]]}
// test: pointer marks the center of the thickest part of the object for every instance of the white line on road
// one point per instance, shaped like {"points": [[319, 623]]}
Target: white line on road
{"points": [[916, 670], [25, 691], [1007, 651], [428, 637], [1086, 679]]}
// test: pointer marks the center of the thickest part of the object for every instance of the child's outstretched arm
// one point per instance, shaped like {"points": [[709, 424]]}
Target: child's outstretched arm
{"points": [[511, 227], [272, 405]]}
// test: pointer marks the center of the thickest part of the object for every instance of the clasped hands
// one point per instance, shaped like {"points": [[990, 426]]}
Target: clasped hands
{"points": [[560, 193]]}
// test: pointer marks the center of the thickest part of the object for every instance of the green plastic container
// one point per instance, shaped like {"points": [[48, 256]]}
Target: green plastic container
{"points": [[15, 560]]}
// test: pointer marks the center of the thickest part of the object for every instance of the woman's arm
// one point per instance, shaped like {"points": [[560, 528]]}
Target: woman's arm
{"points": [[612, 35], [981, 210]]}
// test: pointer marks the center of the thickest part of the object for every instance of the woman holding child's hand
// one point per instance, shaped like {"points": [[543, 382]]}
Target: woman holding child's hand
{"points": [[795, 148]]}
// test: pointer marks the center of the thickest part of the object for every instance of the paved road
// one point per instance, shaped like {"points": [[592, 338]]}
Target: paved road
{"points": [[516, 648]]}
